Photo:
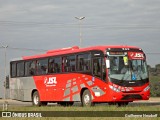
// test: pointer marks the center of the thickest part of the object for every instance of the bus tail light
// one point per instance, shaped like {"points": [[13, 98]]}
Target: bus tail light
{"points": [[114, 88]]}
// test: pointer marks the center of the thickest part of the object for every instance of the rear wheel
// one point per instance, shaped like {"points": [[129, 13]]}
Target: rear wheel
{"points": [[86, 98], [36, 99]]}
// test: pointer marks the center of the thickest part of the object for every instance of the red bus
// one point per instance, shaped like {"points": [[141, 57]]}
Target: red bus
{"points": [[99, 74]]}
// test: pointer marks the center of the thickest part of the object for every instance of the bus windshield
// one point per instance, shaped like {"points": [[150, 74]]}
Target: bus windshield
{"points": [[122, 68]]}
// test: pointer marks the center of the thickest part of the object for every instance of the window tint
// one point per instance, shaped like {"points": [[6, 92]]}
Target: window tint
{"points": [[84, 61], [55, 65], [13, 69], [27, 68], [20, 69], [32, 68], [72, 63], [42, 66], [69, 63], [97, 66]]}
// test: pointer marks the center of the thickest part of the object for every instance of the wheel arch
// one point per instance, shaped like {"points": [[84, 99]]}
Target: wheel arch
{"points": [[34, 90], [82, 90]]}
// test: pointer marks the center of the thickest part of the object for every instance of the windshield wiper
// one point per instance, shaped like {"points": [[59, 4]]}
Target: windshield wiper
{"points": [[127, 76]]}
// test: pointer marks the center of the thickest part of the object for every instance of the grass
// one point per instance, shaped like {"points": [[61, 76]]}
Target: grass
{"points": [[137, 107], [99, 107]]}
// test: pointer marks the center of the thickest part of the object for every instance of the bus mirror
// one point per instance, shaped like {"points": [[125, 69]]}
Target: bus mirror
{"points": [[107, 64]]}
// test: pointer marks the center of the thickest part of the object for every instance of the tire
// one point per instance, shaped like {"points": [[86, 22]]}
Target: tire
{"points": [[86, 98], [36, 99]]}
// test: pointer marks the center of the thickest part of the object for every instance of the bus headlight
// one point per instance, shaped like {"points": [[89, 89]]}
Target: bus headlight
{"points": [[147, 88], [114, 88]]}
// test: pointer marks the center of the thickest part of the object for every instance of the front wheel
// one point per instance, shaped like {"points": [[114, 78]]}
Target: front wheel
{"points": [[36, 99], [86, 98]]}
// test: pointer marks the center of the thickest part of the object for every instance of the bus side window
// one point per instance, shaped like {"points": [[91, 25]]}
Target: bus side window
{"points": [[20, 69], [97, 66], [51, 66], [103, 70], [13, 69], [55, 65], [80, 65], [42, 66], [72, 63], [66, 64], [83, 63], [27, 68], [69, 63], [32, 68]]}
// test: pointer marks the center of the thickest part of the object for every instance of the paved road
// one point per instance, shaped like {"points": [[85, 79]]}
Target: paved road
{"points": [[150, 102]]}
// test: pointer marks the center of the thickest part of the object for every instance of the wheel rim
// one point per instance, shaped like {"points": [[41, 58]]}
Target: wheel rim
{"points": [[86, 99], [36, 99]]}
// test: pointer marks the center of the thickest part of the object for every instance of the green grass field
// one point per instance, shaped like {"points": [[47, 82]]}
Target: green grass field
{"points": [[99, 107]]}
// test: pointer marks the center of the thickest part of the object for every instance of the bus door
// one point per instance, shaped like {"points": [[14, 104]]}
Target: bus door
{"points": [[97, 64], [97, 67], [99, 74]]}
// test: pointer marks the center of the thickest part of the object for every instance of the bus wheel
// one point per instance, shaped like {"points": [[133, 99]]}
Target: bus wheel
{"points": [[86, 98], [36, 99]]}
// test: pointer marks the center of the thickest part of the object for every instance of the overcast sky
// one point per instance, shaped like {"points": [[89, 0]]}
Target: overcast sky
{"points": [[51, 24]]}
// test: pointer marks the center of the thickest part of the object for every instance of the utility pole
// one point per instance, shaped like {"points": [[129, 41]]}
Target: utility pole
{"points": [[80, 29], [5, 74]]}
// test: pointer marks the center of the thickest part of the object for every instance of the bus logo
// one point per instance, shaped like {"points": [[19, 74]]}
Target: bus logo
{"points": [[51, 81], [136, 55], [139, 55]]}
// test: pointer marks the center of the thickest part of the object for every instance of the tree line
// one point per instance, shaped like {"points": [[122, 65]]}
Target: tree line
{"points": [[154, 73]]}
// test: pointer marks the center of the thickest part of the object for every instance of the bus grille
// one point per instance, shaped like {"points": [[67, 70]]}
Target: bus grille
{"points": [[135, 96]]}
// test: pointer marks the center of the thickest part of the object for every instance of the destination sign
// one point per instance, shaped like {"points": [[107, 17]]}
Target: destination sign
{"points": [[116, 53]]}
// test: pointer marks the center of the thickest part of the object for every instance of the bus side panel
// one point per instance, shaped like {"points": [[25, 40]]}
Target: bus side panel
{"points": [[67, 87], [21, 88]]}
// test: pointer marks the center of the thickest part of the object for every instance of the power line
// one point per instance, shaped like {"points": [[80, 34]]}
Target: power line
{"points": [[153, 53], [28, 49], [43, 50], [71, 25]]}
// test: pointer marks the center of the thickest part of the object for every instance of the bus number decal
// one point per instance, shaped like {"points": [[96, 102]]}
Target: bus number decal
{"points": [[51, 81]]}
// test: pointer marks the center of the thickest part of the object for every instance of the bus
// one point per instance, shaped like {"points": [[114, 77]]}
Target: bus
{"points": [[98, 74]]}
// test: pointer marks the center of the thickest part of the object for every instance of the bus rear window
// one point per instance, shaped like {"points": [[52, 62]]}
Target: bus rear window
{"points": [[20, 69], [13, 69]]}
